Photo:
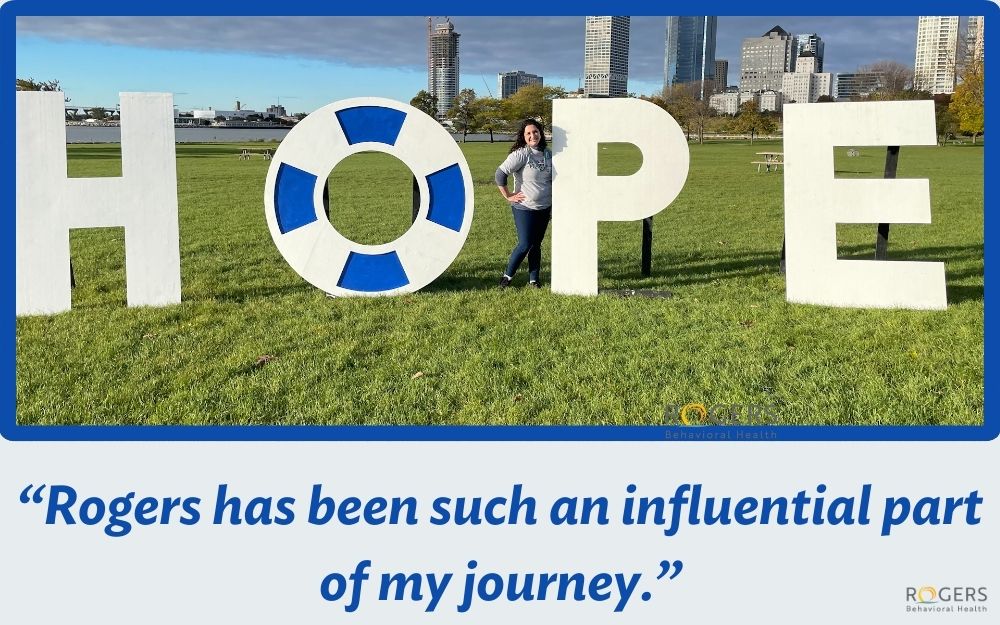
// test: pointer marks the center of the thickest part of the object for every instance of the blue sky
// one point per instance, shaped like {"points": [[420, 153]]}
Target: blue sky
{"points": [[307, 62]]}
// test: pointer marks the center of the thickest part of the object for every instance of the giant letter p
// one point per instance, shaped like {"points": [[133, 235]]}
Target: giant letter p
{"points": [[581, 198]]}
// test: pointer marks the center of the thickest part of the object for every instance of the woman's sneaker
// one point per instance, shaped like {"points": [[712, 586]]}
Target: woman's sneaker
{"points": [[535, 284], [504, 282]]}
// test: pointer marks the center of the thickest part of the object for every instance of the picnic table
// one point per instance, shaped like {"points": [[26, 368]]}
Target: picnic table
{"points": [[769, 160], [245, 155]]}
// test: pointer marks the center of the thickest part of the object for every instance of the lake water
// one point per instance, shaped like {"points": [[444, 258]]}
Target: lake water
{"points": [[112, 134]]}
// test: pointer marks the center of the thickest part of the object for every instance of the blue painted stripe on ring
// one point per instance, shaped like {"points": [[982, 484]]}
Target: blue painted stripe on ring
{"points": [[378, 124], [372, 273], [447, 202], [293, 198]]}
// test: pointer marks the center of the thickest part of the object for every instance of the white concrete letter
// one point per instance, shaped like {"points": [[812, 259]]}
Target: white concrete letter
{"points": [[581, 198], [815, 203], [143, 200]]}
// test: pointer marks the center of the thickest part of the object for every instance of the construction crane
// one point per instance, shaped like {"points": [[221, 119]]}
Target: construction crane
{"points": [[487, 85]]}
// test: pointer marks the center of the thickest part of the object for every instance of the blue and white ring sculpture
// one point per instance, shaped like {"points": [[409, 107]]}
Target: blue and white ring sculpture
{"points": [[324, 257]]}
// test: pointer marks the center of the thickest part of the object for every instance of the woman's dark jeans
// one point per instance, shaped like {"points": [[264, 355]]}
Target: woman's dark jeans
{"points": [[531, 225]]}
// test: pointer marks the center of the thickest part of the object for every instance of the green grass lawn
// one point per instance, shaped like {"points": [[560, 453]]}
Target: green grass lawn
{"points": [[252, 343]]}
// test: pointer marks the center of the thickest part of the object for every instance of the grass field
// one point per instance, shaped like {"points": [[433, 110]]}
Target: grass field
{"points": [[252, 343]]}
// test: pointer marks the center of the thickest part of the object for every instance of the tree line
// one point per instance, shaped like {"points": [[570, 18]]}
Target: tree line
{"points": [[960, 112], [955, 113], [470, 113]]}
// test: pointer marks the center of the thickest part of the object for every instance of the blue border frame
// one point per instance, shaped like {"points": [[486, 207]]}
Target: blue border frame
{"points": [[8, 423]]}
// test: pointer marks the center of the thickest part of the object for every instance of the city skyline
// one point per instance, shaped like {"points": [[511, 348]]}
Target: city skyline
{"points": [[215, 61]]}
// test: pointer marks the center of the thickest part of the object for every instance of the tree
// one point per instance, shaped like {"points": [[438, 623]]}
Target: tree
{"points": [[464, 111], [824, 98], [489, 116], [895, 82], [679, 100], [683, 102], [894, 76], [425, 102], [750, 120], [30, 84], [945, 121], [701, 112], [532, 101], [967, 101], [98, 113]]}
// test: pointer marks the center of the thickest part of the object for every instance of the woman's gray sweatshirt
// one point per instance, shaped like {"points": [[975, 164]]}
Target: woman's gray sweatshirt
{"points": [[532, 170]]}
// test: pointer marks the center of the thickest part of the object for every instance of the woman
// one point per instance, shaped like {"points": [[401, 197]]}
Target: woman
{"points": [[531, 202]]}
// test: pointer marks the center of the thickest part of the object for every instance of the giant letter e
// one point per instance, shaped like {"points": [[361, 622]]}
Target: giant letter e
{"points": [[815, 202]]}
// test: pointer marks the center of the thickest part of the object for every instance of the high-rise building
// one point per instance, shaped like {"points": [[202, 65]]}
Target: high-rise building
{"points": [[605, 56], [852, 86], [442, 64], [721, 75], [937, 54], [974, 37], [813, 43], [509, 82], [805, 84], [689, 54], [765, 59]]}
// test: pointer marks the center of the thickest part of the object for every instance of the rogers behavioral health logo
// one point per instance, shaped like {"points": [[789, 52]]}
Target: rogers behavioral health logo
{"points": [[946, 599], [695, 415]]}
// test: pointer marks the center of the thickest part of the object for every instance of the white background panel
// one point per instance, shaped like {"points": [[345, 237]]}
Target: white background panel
{"points": [[259, 574]]}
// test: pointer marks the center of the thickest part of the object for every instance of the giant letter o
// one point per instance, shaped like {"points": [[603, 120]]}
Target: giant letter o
{"points": [[294, 209]]}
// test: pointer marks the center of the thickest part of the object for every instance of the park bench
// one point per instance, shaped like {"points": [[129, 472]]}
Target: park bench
{"points": [[245, 155], [771, 159]]}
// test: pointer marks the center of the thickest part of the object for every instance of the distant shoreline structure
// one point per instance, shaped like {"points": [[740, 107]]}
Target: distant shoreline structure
{"points": [[231, 125], [79, 132]]}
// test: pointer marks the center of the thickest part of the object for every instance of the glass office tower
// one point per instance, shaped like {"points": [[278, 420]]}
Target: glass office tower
{"points": [[689, 51]]}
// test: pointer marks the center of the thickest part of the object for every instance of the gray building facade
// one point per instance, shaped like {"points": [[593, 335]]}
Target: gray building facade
{"points": [[442, 64], [765, 59], [509, 82], [721, 75], [605, 56], [857, 85]]}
